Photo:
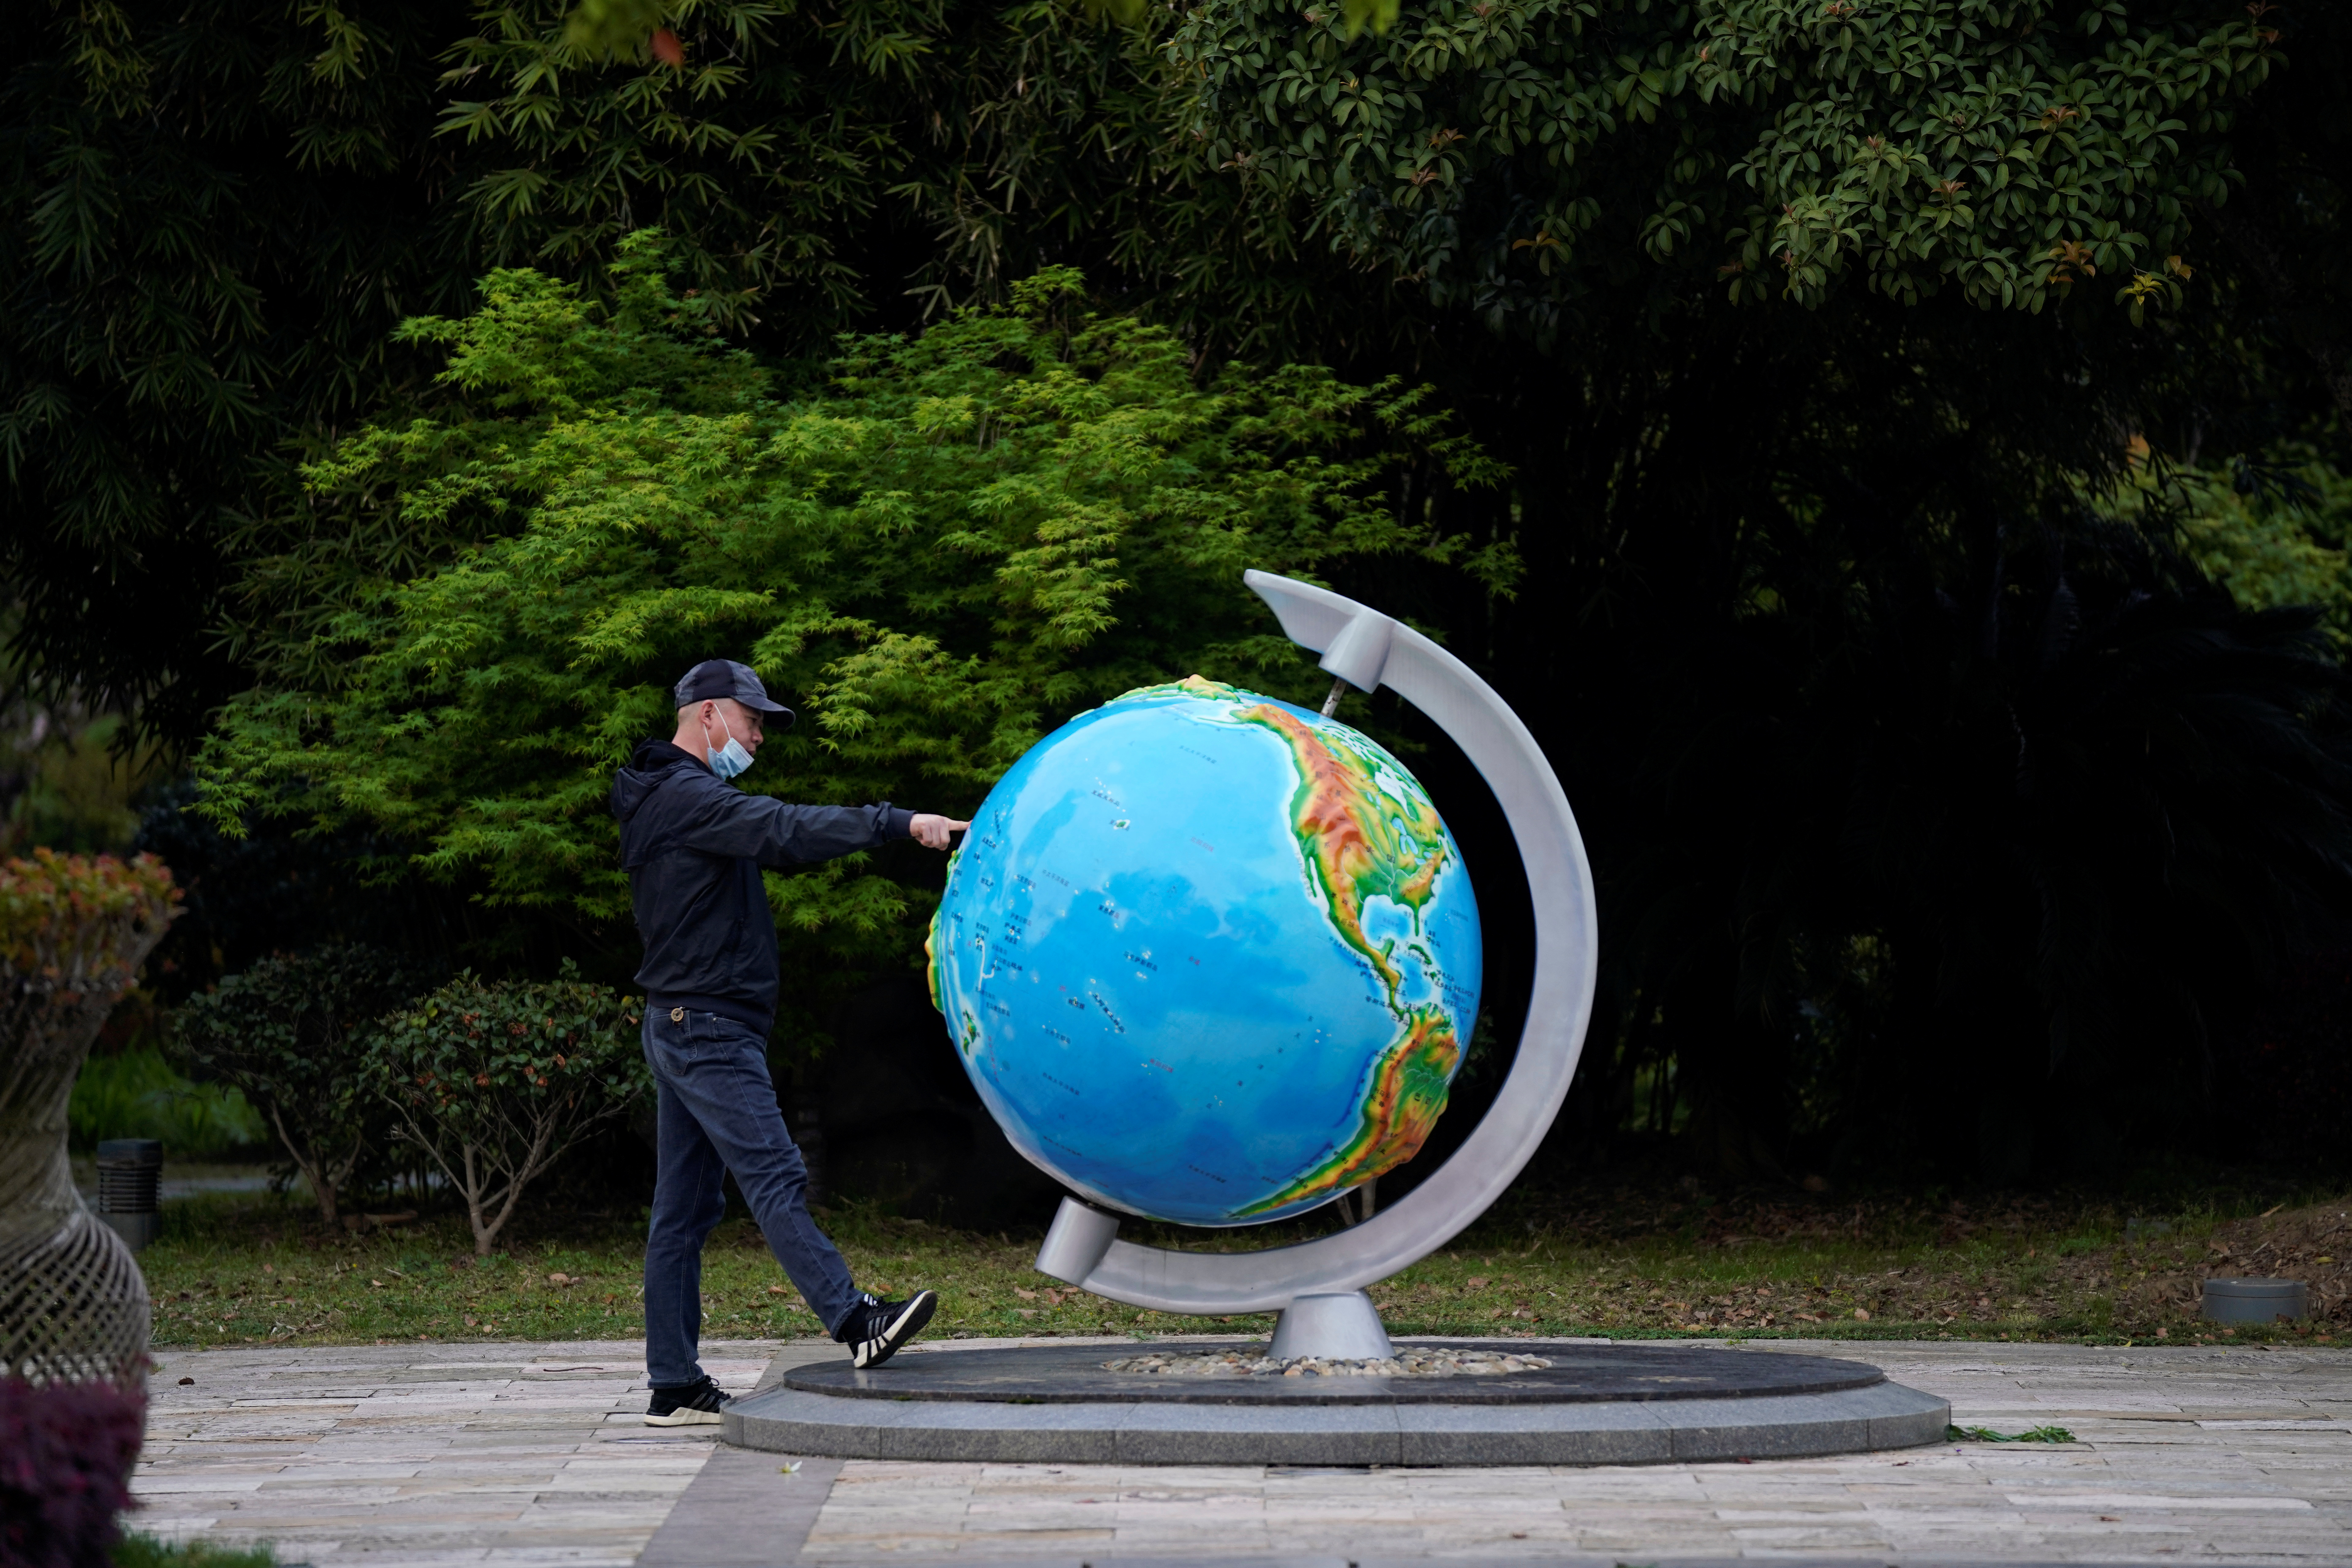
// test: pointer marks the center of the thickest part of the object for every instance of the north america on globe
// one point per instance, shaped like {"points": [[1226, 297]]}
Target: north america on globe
{"points": [[1208, 957]]}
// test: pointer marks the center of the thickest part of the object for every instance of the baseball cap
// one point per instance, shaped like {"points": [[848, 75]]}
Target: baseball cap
{"points": [[725, 677]]}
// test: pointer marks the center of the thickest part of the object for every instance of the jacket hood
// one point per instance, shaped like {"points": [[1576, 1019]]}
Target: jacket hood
{"points": [[648, 767]]}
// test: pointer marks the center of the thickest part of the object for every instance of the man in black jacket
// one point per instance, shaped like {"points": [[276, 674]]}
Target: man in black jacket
{"points": [[693, 845]]}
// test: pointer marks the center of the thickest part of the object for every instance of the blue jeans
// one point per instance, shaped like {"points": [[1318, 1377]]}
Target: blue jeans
{"points": [[718, 1112]]}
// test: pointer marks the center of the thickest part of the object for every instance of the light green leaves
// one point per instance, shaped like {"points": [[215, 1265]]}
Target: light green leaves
{"points": [[958, 541]]}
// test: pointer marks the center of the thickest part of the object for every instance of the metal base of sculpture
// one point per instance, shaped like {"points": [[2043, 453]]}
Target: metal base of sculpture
{"points": [[1565, 1403]]}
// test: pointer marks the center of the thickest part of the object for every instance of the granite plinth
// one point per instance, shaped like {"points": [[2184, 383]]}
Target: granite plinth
{"points": [[1597, 1405], [1074, 1375]]}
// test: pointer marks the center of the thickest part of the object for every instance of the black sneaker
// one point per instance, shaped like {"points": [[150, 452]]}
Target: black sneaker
{"points": [[875, 1329], [695, 1404]]}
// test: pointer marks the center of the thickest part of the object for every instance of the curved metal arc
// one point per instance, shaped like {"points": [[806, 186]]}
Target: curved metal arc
{"points": [[1560, 879]]}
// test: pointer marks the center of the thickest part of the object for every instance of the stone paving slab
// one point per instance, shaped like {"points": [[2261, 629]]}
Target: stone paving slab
{"points": [[423, 1454], [441, 1454]]}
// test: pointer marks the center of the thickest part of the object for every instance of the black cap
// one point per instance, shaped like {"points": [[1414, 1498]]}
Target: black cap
{"points": [[725, 677]]}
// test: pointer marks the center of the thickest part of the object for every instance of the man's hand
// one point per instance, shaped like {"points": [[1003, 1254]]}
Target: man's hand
{"points": [[931, 832]]}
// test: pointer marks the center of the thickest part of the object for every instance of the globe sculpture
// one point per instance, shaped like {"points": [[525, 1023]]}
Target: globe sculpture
{"points": [[1208, 957]]}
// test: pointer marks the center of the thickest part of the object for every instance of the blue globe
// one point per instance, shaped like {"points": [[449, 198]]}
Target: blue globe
{"points": [[1208, 957]]}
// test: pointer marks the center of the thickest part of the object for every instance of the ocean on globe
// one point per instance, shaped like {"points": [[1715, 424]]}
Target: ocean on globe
{"points": [[1208, 957]]}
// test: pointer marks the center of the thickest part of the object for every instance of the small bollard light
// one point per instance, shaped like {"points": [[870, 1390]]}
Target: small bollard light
{"points": [[2256, 1301], [130, 1187]]}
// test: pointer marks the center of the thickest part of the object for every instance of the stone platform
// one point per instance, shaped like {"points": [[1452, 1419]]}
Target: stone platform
{"points": [[1596, 1404]]}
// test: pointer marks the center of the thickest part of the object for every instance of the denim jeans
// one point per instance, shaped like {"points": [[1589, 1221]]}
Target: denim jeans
{"points": [[718, 1113]]}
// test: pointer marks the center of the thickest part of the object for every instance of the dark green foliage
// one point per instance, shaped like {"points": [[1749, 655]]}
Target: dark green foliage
{"points": [[293, 1033], [275, 888], [1521, 156], [2283, 1076], [1987, 860], [217, 214], [494, 1082], [1767, 389]]}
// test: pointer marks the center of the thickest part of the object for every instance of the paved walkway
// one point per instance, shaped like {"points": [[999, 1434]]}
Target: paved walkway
{"points": [[527, 1454]]}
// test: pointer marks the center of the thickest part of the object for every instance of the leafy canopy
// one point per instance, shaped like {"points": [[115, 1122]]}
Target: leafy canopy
{"points": [[217, 212], [1533, 149], [956, 544]]}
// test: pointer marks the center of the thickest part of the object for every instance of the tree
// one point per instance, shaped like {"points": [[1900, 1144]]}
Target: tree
{"points": [[964, 539], [219, 213], [1741, 361], [1520, 156]]}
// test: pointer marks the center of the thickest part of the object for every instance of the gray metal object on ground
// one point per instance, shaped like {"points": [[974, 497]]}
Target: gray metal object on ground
{"points": [[1596, 1404], [129, 1188], [1367, 650], [2256, 1301]]}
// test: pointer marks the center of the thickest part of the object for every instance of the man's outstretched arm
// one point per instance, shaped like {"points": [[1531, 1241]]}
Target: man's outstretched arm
{"points": [[726, 821]]}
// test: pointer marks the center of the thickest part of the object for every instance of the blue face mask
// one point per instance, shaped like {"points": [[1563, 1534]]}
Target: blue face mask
{"points": [[731, 760]]}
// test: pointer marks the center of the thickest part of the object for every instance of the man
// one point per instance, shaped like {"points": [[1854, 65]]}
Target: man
{"points": [[693, 845]]}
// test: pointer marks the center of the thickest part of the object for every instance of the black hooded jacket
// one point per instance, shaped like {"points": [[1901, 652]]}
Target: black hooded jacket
{"points": [[693, 845]]}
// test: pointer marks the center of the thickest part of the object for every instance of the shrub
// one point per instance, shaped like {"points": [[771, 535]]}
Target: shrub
{"points": [[66, 1453], [73, 930], [293, 1033], [495, 1081]]}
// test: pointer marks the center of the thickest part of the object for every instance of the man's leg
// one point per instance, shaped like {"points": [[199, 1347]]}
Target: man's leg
{"points": [[689, 1198], [722, 1079]]}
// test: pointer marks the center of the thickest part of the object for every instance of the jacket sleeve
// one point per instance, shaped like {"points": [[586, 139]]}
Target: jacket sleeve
{"points": [[723, 820]]}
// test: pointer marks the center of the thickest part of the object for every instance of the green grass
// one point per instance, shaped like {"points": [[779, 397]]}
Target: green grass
{"points": [[146, 1552], [243, 1269], [1986, 1434]]}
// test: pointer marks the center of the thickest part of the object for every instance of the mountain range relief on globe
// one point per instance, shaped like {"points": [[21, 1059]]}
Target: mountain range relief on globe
{"points": [[1208, 957]]}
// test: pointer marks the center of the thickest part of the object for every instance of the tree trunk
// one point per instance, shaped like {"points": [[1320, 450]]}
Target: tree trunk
{"points": [[322, 1188]]}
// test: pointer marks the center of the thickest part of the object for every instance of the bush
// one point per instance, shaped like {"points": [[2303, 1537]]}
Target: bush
{"points": [[293, 1033], [73, 928], [495, 1082], [136, 1094], [66, 1453]]}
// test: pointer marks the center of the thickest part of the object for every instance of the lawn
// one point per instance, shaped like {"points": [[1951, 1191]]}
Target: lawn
{"points": [[255, 1268]]}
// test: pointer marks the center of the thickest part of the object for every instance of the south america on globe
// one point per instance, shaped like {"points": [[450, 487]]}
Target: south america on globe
{"points": [[1208, 957]]}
